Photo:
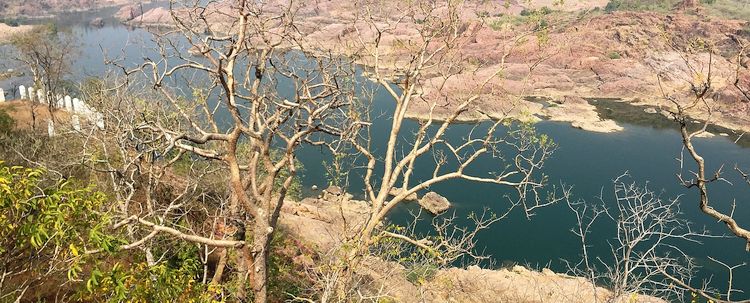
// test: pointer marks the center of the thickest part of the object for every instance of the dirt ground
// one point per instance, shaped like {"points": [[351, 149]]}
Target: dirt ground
{"points": [[20, 111]]}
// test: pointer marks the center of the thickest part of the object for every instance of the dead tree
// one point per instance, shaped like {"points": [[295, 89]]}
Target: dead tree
{"points": [[700, 179], [238, 118], [243, 121], [436, 57], [645, 247]]}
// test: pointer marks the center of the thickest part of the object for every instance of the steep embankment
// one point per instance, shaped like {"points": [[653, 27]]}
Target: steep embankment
{"points": [[324, 224]]}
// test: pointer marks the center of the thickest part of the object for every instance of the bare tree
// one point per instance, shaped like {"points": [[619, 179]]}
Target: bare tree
{"points": [[646, 255], [243, 121], [243, 58], [702, 99], [647, 259], [427, 62], [48, 54]]}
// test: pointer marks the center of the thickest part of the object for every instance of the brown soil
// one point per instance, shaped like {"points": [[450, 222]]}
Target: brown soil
{"points": [[20, 111]]}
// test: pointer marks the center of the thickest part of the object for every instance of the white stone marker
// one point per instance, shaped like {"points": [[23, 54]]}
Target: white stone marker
{"points": [[68, 103], [30, 91], [40, 96], [50, 128], [2, 95], [60, 103], [78, 106], [75, 122], [100, 121], [22, 91]]}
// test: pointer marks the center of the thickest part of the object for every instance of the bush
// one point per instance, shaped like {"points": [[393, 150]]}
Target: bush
{"points": [[613, 5], [45, 226], [421, 273], [10, 22], [526, 12], [7, 124], [614, 55], [542, 25]]}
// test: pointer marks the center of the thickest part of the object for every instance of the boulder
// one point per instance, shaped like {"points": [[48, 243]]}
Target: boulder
{"points": [[333, 190], [335, 193], [128, 12], [434, 203], [97, 22]]}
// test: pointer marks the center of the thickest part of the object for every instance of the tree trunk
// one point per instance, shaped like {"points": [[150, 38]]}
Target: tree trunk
{"points": [[261, 245], [244, 260]]}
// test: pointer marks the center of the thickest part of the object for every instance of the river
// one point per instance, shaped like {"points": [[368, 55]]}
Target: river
{"points": [[588, 161]]}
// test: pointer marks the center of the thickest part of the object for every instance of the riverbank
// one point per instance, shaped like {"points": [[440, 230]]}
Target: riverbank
{"points": [[21, 9], [633, 56], [324, 225], [8, 31]]}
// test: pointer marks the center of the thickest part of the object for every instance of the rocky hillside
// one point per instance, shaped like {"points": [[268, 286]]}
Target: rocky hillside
{"points": [[19, 8], [322, 224], [568, 52]]}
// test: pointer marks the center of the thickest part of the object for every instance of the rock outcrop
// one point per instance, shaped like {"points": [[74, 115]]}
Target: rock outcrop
{"points": [[581, 115], [97, 22], [129, 12], [325, 225], [158, 16], [434, 203], [7, 31]]}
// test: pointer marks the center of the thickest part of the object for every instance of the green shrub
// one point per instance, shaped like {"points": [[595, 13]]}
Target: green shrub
{"points": [[613, 5], [640, 5], [45, 222], [542, 25], [10, 22], [7, 124], [526, 12], [420, 273], [614, 55]]}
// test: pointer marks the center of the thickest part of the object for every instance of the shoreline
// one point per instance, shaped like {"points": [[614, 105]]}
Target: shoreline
{"points": [[55, 13], [556, 105]]}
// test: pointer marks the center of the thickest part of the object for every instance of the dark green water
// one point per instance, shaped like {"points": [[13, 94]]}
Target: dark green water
{"points": [[647, 149]]}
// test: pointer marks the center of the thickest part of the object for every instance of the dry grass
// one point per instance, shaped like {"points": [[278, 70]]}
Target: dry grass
{"points": [[732, 9], [20, 111], [7, 31]]}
